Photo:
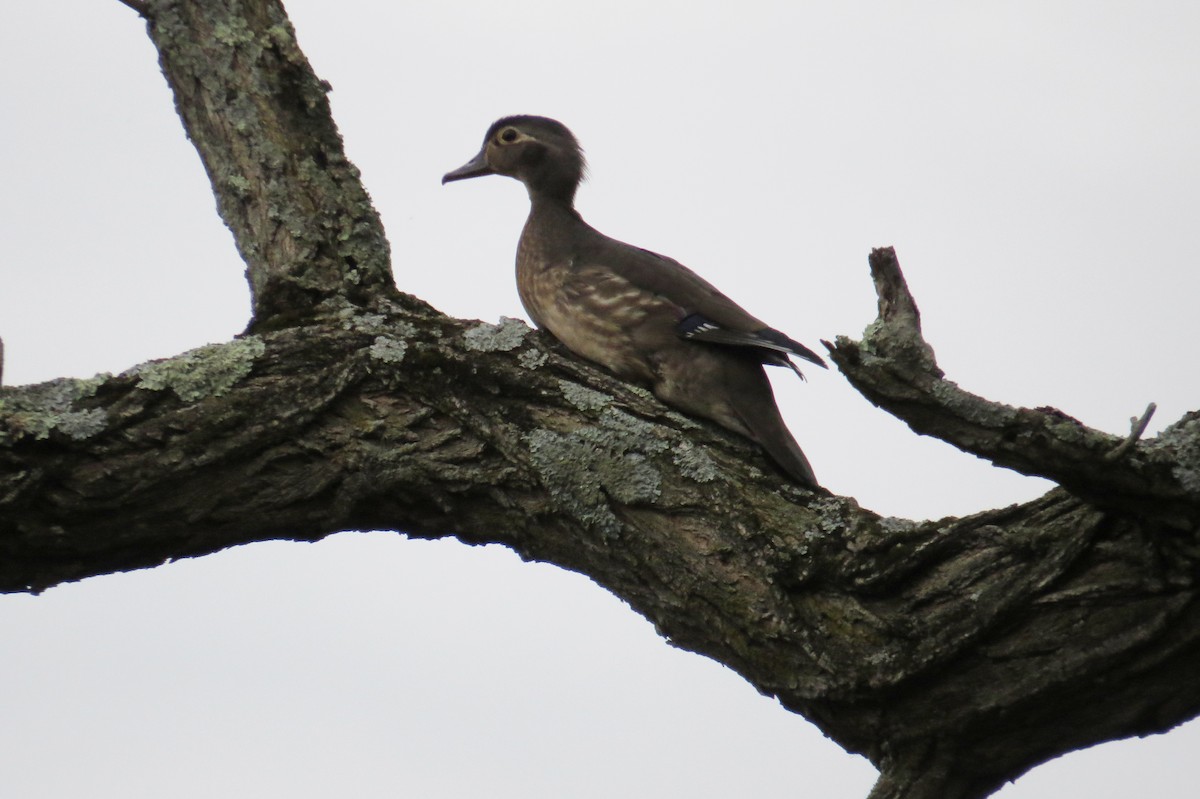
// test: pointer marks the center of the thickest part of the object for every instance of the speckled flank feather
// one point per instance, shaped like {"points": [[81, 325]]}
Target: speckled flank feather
{"points": [[646, 317]]}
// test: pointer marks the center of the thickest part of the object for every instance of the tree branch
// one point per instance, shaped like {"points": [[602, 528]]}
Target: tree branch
{"points": [[260, 119], [1006, 638], [894, 367]]}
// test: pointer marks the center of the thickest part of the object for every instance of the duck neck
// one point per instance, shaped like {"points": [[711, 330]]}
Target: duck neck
{"points": [[553, 213], [549, 231], [562, 197]]}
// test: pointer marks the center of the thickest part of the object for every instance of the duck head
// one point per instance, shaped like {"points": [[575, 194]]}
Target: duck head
{"points": [[539, 152]]}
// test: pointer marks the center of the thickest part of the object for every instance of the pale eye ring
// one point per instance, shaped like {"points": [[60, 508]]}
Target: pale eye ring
{"points": [[508, 135]]}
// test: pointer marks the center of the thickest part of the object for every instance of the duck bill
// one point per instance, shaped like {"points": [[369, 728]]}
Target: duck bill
{"points": [[474, 168]]}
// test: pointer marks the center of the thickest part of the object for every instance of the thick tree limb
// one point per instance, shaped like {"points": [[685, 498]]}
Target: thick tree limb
{"points": [[1001, 639], [956, 653], [259, 118]]}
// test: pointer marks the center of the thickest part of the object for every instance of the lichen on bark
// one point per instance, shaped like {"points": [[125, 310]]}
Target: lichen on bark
{"points": [[208, 371]]}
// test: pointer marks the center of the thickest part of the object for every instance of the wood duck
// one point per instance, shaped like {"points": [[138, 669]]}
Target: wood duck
{"points": [[645, 317]]}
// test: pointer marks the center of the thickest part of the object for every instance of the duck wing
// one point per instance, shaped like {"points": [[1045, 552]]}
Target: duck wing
{"points": [[705, 314]]}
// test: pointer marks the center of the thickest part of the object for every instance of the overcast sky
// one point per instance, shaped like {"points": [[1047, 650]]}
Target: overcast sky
{"points": [[1035, 164]]}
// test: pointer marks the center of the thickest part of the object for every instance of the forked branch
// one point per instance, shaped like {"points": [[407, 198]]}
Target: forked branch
{"points": [[895, 368]]}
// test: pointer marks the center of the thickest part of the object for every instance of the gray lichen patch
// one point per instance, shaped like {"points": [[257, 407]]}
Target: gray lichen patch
{"points": [[636, 482], [874, 332], [36, 410], [564, 464], [694, 463], [388, 349], [583, 469], [353, 318], [624, 430], [208, 371], [531, 358], [233, 32], [585, 399], [504, 337], [832, 515], [682, 421], [238, 185]]}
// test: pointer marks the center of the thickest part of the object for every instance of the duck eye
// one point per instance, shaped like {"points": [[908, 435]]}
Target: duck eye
{"points": [[508, 135]]}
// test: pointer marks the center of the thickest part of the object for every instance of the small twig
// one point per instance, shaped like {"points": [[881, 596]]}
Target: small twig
{"points": [[1137, 427], [140, 6]]}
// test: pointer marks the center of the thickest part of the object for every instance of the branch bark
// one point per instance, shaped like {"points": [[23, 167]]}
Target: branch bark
{"points": [[955, 654], [894, 367], [260, 119]]}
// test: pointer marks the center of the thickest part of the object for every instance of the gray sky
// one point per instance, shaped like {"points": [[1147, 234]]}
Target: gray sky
{"points": [[1034, 164]]}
